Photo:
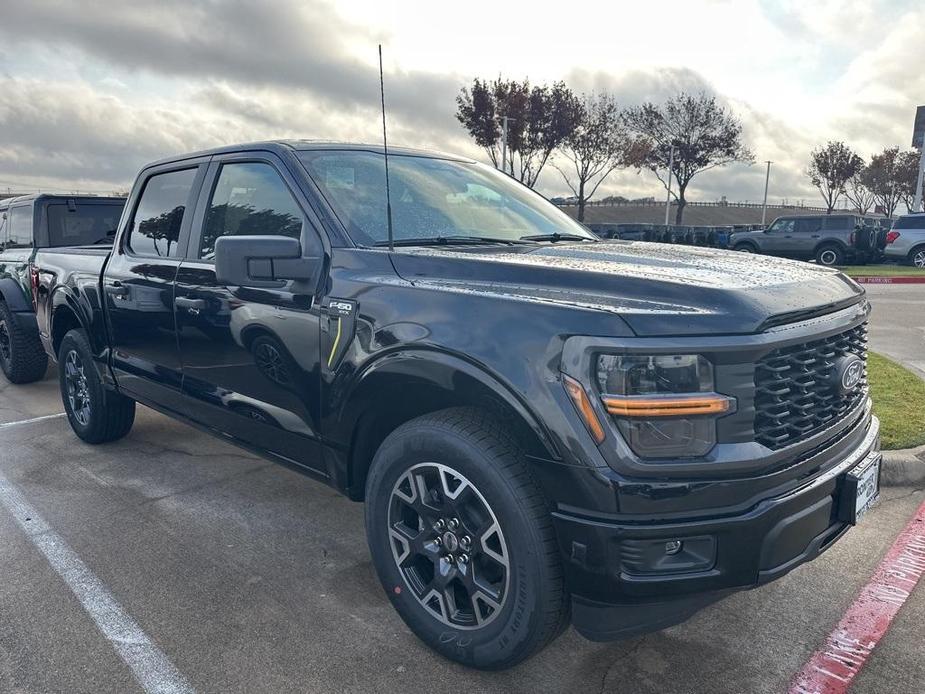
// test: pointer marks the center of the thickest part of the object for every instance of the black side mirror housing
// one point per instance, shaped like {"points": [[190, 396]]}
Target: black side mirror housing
{"points": [[263, 261]]}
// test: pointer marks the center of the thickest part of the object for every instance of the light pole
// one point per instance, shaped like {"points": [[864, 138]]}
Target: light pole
{"points": [[668, 199], [917, 204], [764, 207]]}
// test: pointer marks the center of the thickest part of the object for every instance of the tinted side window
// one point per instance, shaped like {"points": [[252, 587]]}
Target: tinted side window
{"points": [[807, 226], [156, 224], [249, 199], [901, 223], [80, 224], [838, 223], [782, 226], [20, 227]]}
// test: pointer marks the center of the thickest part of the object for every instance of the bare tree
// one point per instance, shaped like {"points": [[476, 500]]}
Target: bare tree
{"points": [[830, 168], [884, 178], [594, 149], [859, 194], [540, 118], [703, 134]]}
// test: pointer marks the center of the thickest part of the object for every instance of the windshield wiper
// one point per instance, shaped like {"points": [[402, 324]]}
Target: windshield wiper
{"points": [[556, 236], [453, 239]]}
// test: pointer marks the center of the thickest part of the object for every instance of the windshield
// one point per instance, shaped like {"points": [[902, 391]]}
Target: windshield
{"points": [[82, 223], [431, 198]]}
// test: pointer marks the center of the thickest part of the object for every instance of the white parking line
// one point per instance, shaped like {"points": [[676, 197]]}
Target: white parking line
{"points": [[6, 425], [151, 668]]}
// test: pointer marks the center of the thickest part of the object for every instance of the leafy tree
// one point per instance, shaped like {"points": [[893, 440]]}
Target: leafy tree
{"points": [[830, 168], [540, 118], [907, 164], [704, 135], [595, 148], [858, 193], [884, 177]]}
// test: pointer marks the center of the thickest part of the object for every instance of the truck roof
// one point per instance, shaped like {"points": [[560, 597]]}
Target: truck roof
{"points": [[35, 197], [303, 145]]}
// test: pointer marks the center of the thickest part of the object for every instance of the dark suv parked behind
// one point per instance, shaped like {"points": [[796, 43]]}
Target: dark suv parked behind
{"points": [[829, 239], [28, 223]]}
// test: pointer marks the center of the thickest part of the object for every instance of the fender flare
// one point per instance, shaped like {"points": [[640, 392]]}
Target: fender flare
{"points": [[11, 292], [436, 368]]}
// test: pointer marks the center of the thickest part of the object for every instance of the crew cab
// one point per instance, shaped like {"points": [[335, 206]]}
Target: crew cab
{"points": [[546, 428], [28, 223], [829, 239]]}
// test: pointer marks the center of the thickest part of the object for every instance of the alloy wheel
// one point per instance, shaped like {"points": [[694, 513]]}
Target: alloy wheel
{"points": [[918, 260], [448, 546], [78, 392], [270, 362], [828, 257]]}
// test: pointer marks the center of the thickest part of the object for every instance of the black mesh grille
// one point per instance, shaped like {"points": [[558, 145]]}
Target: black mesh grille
{"points": [[795, 395]]}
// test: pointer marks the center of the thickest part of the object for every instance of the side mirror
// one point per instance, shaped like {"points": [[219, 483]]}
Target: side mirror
{"points": [[263, 261]]}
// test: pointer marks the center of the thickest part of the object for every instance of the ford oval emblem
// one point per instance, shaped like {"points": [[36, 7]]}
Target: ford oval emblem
{"points": [[849, 371]]}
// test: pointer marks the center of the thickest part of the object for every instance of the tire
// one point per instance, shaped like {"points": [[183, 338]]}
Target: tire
{"points": [[830, 256], [917, 257], [746, 248], [481, 479], [22, 357], [96, 414]]}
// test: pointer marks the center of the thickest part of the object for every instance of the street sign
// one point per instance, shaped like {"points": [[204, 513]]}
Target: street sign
{"points": [[918, 131]]}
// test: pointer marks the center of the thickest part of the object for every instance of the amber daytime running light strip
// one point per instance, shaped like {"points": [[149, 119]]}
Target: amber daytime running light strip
{"points": [[668, 406]]}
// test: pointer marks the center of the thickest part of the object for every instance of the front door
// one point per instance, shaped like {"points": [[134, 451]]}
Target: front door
{"points": [[250, 356], [778, 237], [138, 286]]}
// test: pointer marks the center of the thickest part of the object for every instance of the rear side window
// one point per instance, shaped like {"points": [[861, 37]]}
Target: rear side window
{"points": [[807, 226], [910, 223], [155, 228], [19, 227], [837, 223], [250, 199], [81, 223]]}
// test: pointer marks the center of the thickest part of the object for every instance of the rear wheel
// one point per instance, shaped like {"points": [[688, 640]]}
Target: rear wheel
{"points": [[917, 257], [22, 357], [746, 248], [462, 540], [96, 414], [830, 256]]}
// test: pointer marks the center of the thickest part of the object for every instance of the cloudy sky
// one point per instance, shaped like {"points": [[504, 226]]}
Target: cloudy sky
{"points": [[92, 90]]}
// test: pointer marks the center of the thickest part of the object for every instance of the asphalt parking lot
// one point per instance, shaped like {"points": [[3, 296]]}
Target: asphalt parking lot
{"points": [[251, 578]]}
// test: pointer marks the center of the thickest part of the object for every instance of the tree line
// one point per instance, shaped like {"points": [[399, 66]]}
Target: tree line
{"points": [[676, 140], [882, 183]]}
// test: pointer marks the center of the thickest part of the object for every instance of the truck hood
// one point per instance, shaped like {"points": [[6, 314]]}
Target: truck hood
{"points": [[658, 289]]}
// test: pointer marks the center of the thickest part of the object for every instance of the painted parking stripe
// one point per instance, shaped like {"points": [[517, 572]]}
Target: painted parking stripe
{"points": [[832, 668], [7, 425], [150, 667]]}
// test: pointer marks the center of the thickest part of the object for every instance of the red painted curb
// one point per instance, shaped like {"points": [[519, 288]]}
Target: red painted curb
{"points": [[890, 280], [833, 667]]}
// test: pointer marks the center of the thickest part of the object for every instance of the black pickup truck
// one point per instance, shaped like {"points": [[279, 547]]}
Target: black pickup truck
{"points": [[545, 427], [27, 223]]}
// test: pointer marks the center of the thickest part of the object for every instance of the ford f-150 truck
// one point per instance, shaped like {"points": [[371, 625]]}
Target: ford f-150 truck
{"points": [[545, 428], [27, 223]]}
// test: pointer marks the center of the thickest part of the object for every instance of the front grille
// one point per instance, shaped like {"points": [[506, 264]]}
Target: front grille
{"points": [[795, 392]]}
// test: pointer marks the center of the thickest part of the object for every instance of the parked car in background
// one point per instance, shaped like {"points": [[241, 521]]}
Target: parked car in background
{"points": [[906, 240], [829, 239], [28, 223], [545, 428]]}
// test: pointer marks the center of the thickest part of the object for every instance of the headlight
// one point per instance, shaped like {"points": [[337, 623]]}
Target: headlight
{"points": [[664, 405]]}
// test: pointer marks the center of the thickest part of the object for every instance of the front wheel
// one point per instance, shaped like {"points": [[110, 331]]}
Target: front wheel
{"points": [[462, 540], [917, 257], [96, 415]]}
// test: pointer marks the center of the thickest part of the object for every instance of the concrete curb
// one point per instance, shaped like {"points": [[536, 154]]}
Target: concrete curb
{"points": [[904, 468]]}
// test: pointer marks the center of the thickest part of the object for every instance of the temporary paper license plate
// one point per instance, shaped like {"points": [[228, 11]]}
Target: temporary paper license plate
{"points": [[865, 479]]}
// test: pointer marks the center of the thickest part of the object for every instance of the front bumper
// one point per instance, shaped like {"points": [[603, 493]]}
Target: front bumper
{"points": [[624, 583]]}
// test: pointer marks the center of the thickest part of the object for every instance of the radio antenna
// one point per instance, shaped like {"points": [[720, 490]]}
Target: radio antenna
{"points": [[385, 151]]}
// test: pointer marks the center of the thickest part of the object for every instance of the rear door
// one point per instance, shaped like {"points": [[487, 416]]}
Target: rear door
{"points": [[806, 234], [16, 250], [138, 282], [251, 365]]}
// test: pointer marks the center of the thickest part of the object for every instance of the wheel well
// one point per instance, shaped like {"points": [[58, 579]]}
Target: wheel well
{"points": [[912, 252], [251, 333], [419, 398], [63, 320], [743, 244]]}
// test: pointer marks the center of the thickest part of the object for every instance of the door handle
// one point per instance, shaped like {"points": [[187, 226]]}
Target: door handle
{"points": [[117, 290], [193, 306]]}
